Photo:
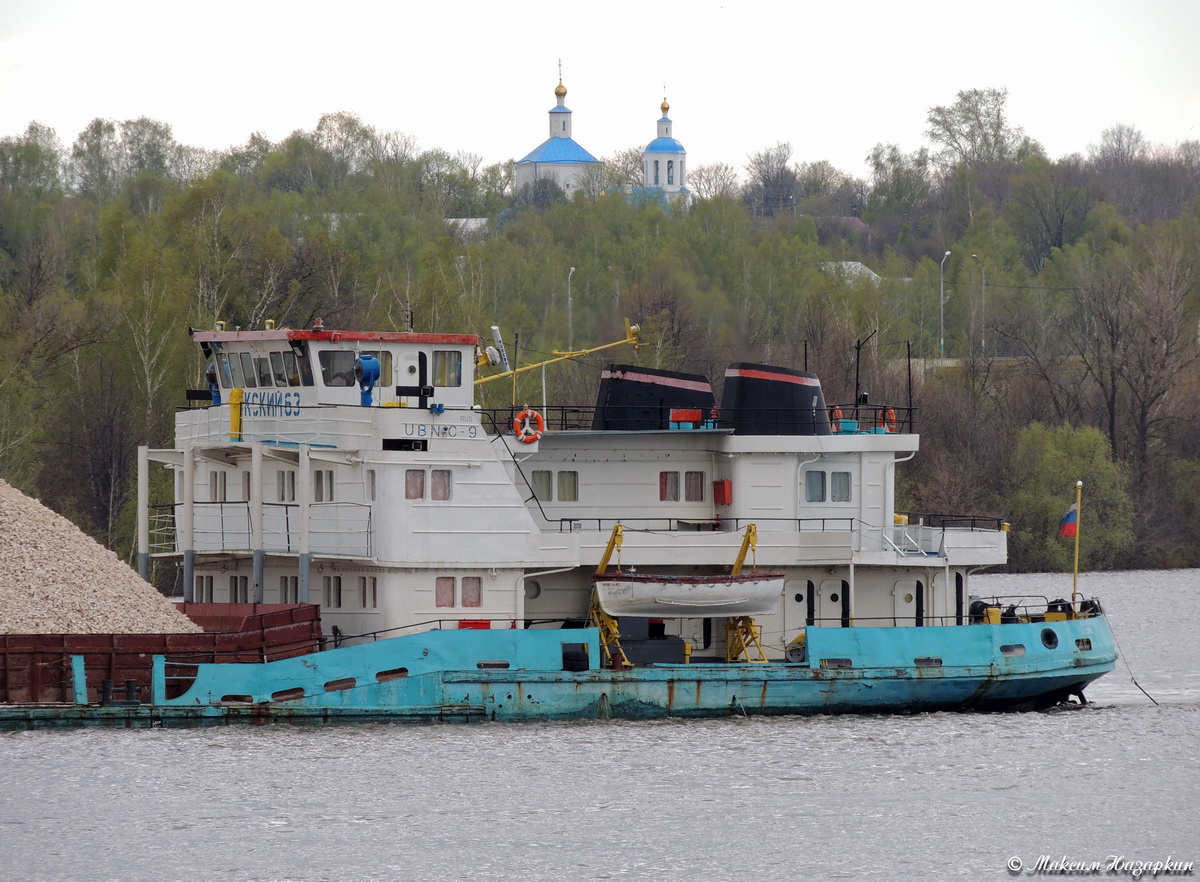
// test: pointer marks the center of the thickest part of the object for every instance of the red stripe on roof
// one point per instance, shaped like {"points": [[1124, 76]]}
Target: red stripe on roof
{"points": [[673, 382], [750, 374], [337, 336]]}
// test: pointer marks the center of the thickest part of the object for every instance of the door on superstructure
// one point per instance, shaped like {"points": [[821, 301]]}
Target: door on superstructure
{"points": [[909, 602], [833, 604]]}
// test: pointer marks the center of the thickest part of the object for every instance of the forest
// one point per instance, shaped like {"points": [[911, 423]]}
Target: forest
{"points": [[1041, 312]]}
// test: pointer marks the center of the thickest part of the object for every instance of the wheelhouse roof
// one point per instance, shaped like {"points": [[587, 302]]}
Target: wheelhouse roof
{"points": [[332, 336]]}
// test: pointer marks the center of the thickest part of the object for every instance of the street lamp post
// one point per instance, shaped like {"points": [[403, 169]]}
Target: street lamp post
{"points": [[982, 307], [570, 316], [942, 311]]}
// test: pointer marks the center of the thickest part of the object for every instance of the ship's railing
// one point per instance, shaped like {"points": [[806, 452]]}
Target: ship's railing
{"points": [[854, 419], [335, 528]]}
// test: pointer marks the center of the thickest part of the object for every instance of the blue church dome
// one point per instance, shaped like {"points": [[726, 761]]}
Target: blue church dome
{"points": [[665, 145]]}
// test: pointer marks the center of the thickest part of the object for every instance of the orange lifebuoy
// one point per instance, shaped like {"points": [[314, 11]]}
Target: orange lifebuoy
{"points": [[835, 418], [887, 419], [529, 426]]}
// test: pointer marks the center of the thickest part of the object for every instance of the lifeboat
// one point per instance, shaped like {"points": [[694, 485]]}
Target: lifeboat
{"points": [[666, 596]]}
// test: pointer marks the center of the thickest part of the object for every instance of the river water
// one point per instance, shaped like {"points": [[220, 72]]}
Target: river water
{"points": [[930, 796]]}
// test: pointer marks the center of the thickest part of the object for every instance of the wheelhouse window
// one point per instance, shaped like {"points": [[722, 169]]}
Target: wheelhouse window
{"points": [[337, 367], [447, 367], [262, 367], [248, 370]]}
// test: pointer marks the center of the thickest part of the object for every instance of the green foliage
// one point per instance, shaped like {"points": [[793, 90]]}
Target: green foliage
{"points": [[1043, 470], [110, 250]]}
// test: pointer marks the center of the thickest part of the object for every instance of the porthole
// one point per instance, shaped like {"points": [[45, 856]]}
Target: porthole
{"points": [[908, 598], [1049, 638], [533, 590], [833, 597], [799, 598]]}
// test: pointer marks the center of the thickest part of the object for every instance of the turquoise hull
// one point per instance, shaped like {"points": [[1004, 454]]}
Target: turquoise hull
{"points": [[516, 675]]}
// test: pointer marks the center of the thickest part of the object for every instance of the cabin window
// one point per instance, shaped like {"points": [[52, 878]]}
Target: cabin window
{"points": [[239, 589], [289, 589], [414, 484], [262, 367], [204, 589], [246, 486], [472, 591], [337, 367], [814, 486], [286, 481], [568, 486], [543, 485], [235, 369], [370, 485], [297, 370], [443, 591], [217, 481], [440, 482], [447, 367], [668, 486], [839, 486], [693, 486], [333, 592], [226, 377], [278, 371], [323, 485], [248, 370], [368, 592]]}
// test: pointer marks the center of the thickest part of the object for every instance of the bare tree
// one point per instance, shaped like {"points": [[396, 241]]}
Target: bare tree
{"points": [[714, 179]]}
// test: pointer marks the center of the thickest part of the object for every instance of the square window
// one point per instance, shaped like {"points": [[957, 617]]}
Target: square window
{"points": [[368, 595], [472, 591], [248, 371], [839, 486], [263, 366], [414, 484], [543, 485], [333, 592], [693, 486], [814, 486], [668, 486], [568, 486], [443, 591], [440, 484], [447, 367]]}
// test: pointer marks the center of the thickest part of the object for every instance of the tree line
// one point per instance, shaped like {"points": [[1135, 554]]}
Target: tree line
{"points": [[1045, 310]]}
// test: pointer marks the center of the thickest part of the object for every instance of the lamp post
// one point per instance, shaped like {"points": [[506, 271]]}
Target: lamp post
{"points": [[942, 311], [983, 307], [570, 316]]}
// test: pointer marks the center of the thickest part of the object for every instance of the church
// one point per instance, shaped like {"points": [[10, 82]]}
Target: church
{"points": [[561, 158]]}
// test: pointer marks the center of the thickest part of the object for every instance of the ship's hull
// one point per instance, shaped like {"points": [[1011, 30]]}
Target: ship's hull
{"points": [[513, 675]]}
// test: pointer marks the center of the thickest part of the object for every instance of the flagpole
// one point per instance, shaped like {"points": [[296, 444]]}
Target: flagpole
{"points": [[1078, 519]]}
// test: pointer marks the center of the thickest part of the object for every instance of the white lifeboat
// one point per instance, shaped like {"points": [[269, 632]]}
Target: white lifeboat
{"points": [[664, 596]]}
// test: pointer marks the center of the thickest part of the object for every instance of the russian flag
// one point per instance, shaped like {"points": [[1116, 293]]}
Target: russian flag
{"points": [[1068, 527]]}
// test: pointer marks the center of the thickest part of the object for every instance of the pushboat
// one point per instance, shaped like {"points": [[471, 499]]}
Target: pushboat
{"points": [[658, 553]]}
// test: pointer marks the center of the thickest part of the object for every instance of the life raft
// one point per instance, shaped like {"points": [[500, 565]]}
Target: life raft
{"points": [[529, 426]]}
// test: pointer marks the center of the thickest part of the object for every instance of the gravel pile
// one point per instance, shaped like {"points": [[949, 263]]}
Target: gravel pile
{"points": [[55, 579]]}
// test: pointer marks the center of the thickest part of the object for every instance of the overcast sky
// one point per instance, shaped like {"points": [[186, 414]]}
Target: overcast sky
{"points": [[832, 79]]}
